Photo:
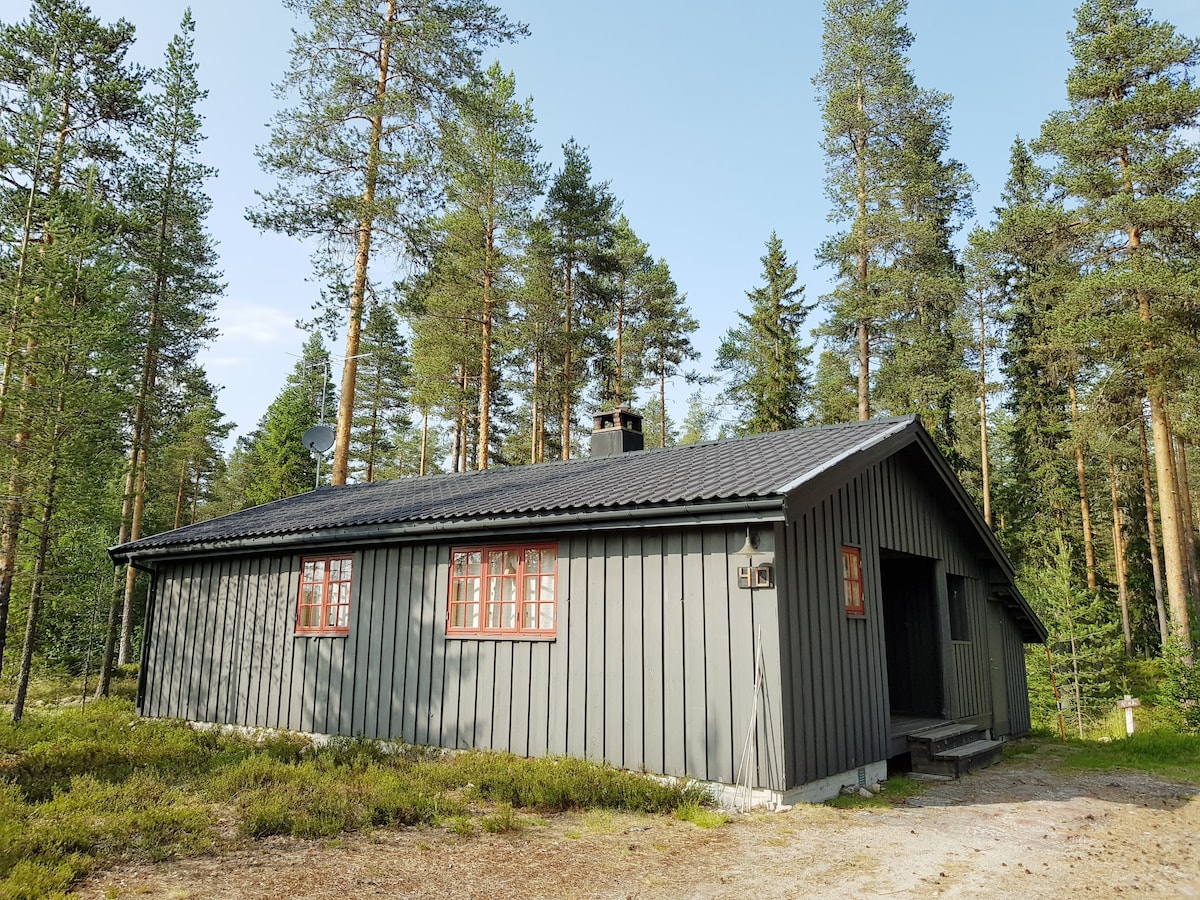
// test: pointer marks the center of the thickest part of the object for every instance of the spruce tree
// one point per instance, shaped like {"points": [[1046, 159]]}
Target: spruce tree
{"points": [[276, 460], [381, 421], [765, 357]]}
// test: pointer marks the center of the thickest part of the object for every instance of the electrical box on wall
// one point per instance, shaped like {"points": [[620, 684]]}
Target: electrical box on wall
{"points": [[755, 577]]}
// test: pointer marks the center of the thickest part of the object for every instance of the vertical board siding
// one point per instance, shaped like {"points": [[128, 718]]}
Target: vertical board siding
{"points": [[652, 666], [1019, 718], [836, 676]]}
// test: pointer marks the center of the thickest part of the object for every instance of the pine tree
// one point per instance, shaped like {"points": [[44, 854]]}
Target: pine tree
{"points": [[578, 216], [73, 99], [493, 178], [1083, 636], [174, 263], [354, 156], [1125, 155], [898, 284], [864, 86], [662, 340], [765, 357]]}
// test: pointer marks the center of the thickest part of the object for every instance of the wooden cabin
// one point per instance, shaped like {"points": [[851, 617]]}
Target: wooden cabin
{"points": [[781, 611]]}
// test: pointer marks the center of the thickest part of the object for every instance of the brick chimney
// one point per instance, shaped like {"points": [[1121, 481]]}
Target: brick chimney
{"points": [[619, 431]]}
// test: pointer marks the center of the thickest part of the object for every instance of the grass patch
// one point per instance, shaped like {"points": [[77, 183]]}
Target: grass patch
{"points": [[895, 790], [701, 816], [81, 790], [1163, 753]]}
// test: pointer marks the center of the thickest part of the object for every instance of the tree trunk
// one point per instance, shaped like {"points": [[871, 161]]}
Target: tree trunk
{"points": [[362, 258], [1152, 537], [864, 324], [35, 596], [567, 374], [1185, 517], [984, 459], [181, 494], [485, 361], [662, 404], [424, 440], [139, 508], [1119, 561], [1089, 546]]}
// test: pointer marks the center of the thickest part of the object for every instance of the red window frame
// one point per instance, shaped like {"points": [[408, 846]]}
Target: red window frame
{"points": [[323, 602], [852, 582], [503, 590]]}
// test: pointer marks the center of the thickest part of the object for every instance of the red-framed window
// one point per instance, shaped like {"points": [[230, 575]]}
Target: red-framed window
{"points": [[852, 579], [324, 603], [504, 590]]}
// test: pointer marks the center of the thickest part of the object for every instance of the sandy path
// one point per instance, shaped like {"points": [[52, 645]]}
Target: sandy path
{"points": [[1021, 829]]}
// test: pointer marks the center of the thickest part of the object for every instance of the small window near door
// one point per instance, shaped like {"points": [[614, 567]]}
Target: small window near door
{"points": [[852, 579], [956, 591]]}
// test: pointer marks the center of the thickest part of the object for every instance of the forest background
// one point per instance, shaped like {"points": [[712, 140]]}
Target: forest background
{"points": [[1025, 265]]}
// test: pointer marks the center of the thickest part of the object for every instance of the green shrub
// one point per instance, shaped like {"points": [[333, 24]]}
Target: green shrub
{"points": [[1179, 693], [502, 821]]}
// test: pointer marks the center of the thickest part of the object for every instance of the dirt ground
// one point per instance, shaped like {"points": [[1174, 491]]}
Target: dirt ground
{"points": [[1023, 829]]}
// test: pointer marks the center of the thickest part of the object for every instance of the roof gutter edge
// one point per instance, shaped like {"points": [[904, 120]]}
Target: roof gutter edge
{"points": [[690, 514]]}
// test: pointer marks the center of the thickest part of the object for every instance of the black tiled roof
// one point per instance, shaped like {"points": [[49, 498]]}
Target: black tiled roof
{"points": [[759, 466]]}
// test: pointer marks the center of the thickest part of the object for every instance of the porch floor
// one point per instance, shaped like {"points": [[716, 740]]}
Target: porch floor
{"points": [[904, 725]]}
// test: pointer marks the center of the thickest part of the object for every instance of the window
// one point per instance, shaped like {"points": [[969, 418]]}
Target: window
{"points": [[508, 590], [324, 605], [852, 579], [960, 629]]}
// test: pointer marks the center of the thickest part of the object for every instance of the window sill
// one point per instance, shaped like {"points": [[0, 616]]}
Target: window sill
{"points": [[515, 638], [320, 634]]}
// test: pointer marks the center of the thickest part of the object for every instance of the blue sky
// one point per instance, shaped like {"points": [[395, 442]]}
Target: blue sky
{"points": [[701, 115]]}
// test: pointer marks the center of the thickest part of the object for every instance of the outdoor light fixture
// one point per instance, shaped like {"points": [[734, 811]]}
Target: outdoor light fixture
{"points": [[752, 576]]}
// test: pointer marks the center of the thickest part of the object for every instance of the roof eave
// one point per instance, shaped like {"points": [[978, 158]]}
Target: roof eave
{"points": [[759, 509]]}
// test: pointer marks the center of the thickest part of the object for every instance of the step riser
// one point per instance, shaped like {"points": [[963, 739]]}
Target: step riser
{"points": [[936, 755]]}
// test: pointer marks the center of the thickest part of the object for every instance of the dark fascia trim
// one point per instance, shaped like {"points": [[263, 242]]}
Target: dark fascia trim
{"points": [[913, 432], [737, 512]]}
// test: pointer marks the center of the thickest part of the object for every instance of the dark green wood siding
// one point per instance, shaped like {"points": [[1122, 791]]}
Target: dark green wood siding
{"points": [[834, 666], [652, 666]]}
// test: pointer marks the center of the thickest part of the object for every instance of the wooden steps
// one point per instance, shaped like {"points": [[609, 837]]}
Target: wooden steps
{"points": [[953, 749]]}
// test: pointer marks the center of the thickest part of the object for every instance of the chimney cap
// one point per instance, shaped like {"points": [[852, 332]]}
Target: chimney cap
{"points": [[622, 418]]}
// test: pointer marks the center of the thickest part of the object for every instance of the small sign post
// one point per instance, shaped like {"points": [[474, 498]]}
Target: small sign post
{"points": [[1129, 704]]}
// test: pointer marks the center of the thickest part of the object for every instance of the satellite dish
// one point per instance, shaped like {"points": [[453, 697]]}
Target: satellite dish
{"points": [[318, 439]]}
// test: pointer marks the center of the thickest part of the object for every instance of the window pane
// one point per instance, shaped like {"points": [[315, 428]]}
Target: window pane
{"points": [[531, 587], [472, 616], [548, 557], [531, 561], [460, 563], [546, 595], [511, 559], [474, 563], [495, 562], [508, 615], [493, 615], [529, 616], [458, 615], [546, 621], [310, 572]]}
